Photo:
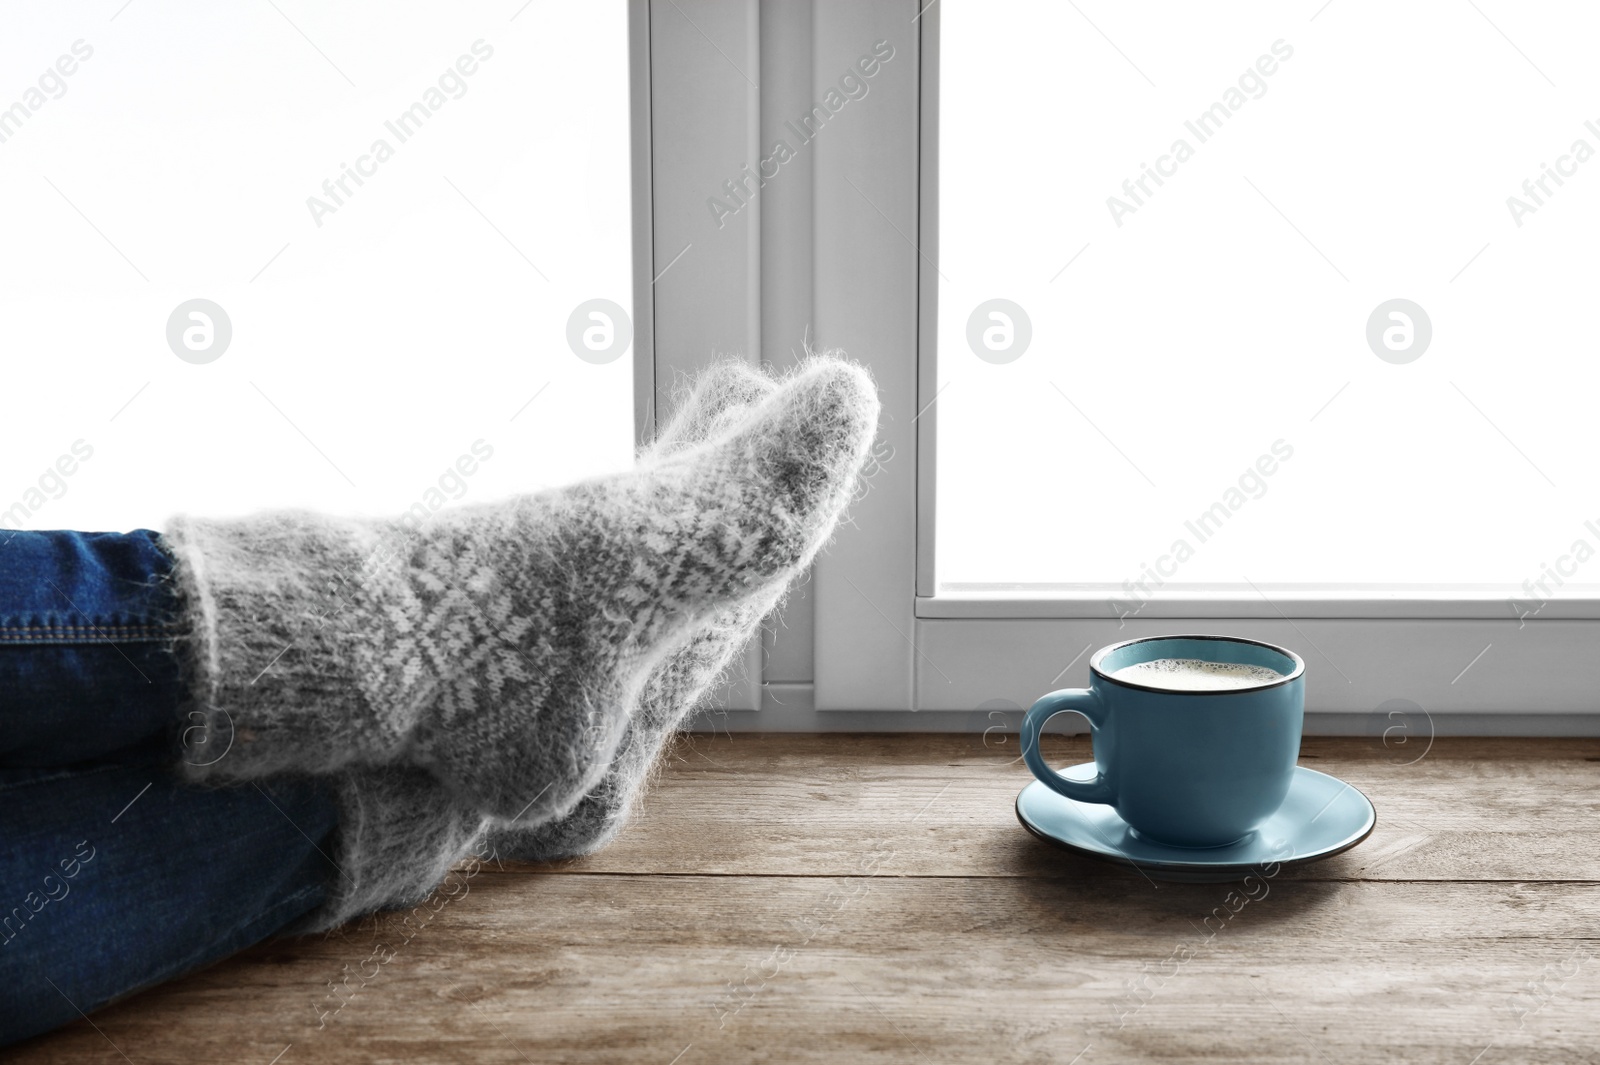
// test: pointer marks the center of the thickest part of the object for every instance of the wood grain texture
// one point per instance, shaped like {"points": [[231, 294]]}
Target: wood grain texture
{"points": [[872, 898]]}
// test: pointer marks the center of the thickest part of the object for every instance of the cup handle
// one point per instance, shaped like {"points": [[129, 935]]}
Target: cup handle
{"points": [[1077, 700]]}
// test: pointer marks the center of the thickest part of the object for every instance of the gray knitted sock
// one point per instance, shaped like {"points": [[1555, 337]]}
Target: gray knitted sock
{"points": [[399, 833], [711, 403], [505, 646], [720, 396]]}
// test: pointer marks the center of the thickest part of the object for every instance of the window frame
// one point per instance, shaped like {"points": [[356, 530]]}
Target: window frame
{"points": [[885, 641], [809, 262]]}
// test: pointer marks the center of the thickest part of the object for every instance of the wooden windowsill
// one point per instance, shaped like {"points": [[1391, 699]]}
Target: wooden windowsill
{"points": [[870, 898]]}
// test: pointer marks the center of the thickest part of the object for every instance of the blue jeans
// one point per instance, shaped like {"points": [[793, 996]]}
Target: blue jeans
{"points": [[115, 874]]}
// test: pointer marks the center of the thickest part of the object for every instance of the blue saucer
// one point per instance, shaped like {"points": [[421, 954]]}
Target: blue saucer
{"points": [[1322, 816]]}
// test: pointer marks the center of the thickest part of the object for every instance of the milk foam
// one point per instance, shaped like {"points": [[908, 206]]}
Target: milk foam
{"points": [[1192, 674]]}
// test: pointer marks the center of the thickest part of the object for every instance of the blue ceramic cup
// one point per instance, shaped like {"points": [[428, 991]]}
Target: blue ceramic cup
{"points": [[1193, 768]]}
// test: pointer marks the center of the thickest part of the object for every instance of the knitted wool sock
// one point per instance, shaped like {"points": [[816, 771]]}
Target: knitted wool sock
{"points": [[715, 401], [505, 646], [721, 395], [399, 833]]}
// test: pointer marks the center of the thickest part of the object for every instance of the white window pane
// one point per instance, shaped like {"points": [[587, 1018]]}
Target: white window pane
{"points": [[1368, 155], [377, 334]]}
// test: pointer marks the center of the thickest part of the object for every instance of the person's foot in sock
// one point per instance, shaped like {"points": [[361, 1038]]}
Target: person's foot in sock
{"points": [[401, 831], [505, 646], [721, 395]]}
